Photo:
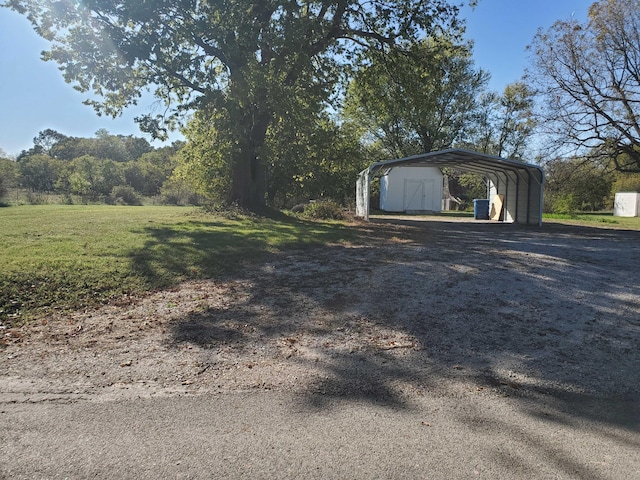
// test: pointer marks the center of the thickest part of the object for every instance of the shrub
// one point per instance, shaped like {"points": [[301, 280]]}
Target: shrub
{"points": [[176, 191], [324, 210], [124, 194], [36, 198], [565, 204]]}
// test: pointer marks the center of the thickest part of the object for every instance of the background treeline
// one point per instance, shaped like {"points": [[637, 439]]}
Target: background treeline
{"points": [[106, 169], [119, 169], [584, 185]]}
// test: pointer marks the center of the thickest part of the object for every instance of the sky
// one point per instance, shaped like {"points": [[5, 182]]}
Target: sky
{"points": [[34, 96]]}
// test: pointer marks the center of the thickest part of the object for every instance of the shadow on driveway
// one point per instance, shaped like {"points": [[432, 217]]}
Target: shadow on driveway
{"points": [[547, 316]]}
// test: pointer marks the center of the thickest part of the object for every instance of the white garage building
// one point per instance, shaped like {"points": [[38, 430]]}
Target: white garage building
{"points": [[415, 184]]}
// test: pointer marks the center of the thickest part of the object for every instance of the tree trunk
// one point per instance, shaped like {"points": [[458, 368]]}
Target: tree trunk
{"points": [[248, 181], [249, 177]]}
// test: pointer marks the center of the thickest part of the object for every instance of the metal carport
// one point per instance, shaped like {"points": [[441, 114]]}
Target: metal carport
{"points": [[520, 183]]}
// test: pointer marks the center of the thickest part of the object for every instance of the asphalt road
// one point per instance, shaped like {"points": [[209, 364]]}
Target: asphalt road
{"points": [[274, 435]]}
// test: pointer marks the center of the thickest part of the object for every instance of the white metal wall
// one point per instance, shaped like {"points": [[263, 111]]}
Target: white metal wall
{"points": [[626, 204], [401, 187], [521, 196]]}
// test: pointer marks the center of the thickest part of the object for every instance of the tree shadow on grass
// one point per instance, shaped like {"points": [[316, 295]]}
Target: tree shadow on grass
{"points": [[209, 249]]}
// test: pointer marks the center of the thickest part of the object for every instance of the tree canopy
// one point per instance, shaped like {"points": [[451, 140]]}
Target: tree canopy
{"points": [[589, 76], [503, 124], [419, 99], [235, 60]]}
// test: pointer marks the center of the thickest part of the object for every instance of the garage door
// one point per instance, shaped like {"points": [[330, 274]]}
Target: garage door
{"points": [[418, 195]]}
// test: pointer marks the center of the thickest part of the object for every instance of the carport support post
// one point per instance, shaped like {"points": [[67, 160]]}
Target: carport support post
{"points": [[529, 199], [518, 197], [505, 209], [363, 188]]}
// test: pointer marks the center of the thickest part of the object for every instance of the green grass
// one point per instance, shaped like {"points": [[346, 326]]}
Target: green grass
{"points": [[595, 219], [56, 257]]}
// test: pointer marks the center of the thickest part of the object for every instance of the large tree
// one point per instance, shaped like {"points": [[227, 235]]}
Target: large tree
{"points": [[503, 123], [589, 75], [38, 173], [322, 160], [419, 99], [235, 59]]}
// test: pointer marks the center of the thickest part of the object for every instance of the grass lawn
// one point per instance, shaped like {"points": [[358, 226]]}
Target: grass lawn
{"points": [[595, 219], [587, 219], [55, 257]]}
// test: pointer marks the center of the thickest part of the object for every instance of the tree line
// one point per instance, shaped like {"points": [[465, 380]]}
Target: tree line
{"points": [[107, 168]]}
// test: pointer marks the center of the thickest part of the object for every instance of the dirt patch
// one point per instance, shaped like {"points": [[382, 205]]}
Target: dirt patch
{"points": [[444, 308]]}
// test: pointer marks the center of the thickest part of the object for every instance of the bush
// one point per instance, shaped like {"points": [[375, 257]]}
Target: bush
{"points": [[124, 194], [230, 211], [176, 191], [324, 210], [36, 198], [565, 204], [3, 188]]}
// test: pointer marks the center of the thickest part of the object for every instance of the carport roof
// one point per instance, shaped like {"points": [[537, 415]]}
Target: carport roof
{"points": [[476, 162]]}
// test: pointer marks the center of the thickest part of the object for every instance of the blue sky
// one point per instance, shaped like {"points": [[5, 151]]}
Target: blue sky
{"points": [[33, 95], [502, 29]]}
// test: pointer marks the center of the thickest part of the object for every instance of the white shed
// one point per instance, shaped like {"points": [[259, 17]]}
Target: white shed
{"points": [[515, 187], [411, 189], [626, 204]]}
